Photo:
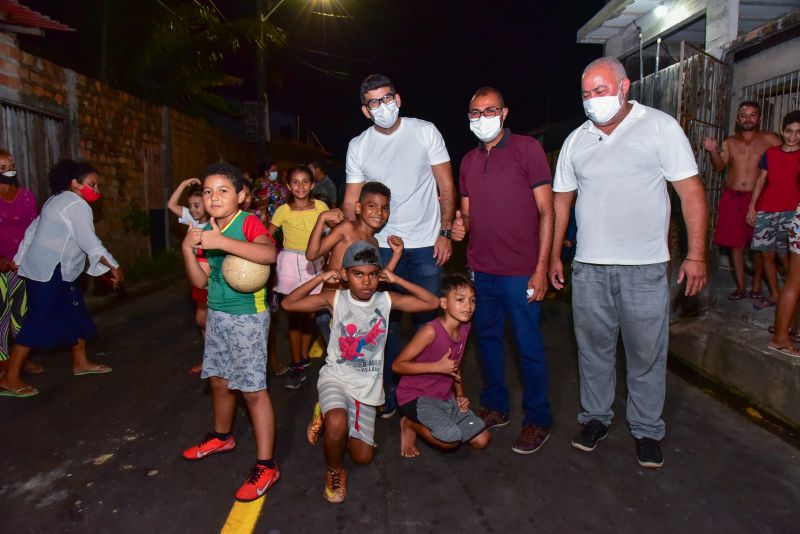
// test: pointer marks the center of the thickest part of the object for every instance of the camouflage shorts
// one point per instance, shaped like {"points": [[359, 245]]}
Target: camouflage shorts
{"points": [[772, 231], [236, 349], [794, 232]]}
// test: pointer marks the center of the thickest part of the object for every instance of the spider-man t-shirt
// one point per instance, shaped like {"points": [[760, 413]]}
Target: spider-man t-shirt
{"points": [[355, 350]]}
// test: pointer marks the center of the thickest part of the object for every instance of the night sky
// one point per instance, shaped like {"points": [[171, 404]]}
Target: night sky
{"points": [[436, 51]]}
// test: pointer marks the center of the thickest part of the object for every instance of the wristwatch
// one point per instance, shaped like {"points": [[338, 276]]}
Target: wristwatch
{"points": [[446, 233]]}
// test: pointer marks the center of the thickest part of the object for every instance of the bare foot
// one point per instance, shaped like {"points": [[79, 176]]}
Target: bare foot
{"points": [[408, 440]]}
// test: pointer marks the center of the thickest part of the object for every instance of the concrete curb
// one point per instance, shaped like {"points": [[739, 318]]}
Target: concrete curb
{"points": [[733, 353]]}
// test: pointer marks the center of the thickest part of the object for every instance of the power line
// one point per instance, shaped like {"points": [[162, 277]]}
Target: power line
{"points": [[430, 11], [165, 6]]}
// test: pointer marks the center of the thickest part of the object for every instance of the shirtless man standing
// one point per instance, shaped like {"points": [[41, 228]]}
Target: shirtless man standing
{"points": [[741, 153]]}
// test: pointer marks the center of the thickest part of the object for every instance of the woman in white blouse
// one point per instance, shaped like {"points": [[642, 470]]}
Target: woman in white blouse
{"points": [[57, 247]]}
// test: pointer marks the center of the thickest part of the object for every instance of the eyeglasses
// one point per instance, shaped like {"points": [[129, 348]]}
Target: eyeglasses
{"points": [[489, 113], [375, 103]]}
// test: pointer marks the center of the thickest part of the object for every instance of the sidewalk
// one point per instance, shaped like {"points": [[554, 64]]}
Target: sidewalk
{"points": [[729, 346]]}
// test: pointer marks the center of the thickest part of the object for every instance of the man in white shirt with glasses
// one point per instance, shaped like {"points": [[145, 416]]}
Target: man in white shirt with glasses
{"points": [[408, 156]]}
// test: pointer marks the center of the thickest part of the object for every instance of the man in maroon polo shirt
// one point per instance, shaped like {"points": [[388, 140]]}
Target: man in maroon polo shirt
{"points": [[507, 206]]}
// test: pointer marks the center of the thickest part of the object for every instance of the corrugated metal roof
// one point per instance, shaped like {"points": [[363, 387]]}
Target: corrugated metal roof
{"points": [[12, 12], [752, 13]]}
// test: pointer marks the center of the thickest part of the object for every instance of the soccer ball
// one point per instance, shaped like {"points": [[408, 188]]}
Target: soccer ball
{"points": [[244, 276]]}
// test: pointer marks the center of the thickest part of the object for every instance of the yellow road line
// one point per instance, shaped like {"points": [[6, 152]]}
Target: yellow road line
{"points": [[243, 517]]}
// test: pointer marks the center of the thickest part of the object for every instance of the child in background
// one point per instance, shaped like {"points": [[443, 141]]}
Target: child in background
{"points": [[296, 219], [773, 204], [235, 355], [269, 191], [372, 212], [431, 394], [350, 385], [193, 215]]}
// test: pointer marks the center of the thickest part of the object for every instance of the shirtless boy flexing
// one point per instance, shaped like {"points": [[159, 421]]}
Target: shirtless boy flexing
{"points": [[740, 153]]}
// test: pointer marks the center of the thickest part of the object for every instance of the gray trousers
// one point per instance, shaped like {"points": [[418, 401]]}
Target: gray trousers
{"points": [[633, 300]]}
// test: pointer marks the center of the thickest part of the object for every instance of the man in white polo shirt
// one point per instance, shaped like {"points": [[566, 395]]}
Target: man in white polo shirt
{"points": [[408, 156], [619, 163]]}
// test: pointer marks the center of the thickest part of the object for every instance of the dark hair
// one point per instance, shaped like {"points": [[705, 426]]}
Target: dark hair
{"points": [[66, 170], [374, 188], [227, 170], [789, 118], [248, 184], [372, 82], [318, 164], [483, 91], [5, 153], [264, 167], [195, 191], [749, 104], [299, 168], [455, 281], [368, 255]]}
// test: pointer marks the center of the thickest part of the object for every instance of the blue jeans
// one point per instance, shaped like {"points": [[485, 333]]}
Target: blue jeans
{"points": [[418, 266], [499, 298]]}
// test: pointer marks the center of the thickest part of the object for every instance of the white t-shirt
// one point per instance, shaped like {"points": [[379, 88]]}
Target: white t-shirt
{"points": [[623, 208], [402, 161]]}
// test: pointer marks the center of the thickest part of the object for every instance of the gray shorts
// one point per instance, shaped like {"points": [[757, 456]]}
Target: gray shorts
{"points": [[236, 349], [360, 417], [445, 420], [772, 231]]}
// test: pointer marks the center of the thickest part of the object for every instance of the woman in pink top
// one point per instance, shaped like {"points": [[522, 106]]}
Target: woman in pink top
{"points": [[17, 211], [430, 395]]}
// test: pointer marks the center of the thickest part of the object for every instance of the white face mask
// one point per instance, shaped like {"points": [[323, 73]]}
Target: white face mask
{"points": [[601, 109], [273, 175], [486, 129], [386, 115], [10, 174]]}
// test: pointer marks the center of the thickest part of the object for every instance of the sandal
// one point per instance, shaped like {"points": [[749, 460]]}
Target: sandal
{"points": [[97, 369], [33, 368], [789, 351], [755, 295], [737, 295], [763, 303], [20, 393]]}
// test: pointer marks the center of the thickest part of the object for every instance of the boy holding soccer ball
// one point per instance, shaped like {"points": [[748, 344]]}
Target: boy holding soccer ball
{"points": [[235, 356]]}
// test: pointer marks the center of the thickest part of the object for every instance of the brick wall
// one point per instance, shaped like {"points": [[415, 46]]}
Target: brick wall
{"points": [[114, 130]]}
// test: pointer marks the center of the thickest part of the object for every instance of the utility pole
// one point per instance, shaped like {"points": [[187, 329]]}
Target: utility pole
{"points": [[261, 82]]}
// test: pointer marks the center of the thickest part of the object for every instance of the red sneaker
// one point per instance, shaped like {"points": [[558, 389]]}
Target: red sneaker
{"points": [[261, 478], [210, 445]]}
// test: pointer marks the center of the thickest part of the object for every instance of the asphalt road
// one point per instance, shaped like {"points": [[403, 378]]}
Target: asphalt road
{"points": [[102, 454]]}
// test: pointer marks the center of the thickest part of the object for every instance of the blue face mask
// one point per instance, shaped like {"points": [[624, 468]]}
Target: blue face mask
{"points": [[273, 175]]}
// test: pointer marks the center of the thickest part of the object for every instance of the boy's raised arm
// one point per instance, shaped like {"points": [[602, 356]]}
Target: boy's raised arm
{"points": [[318, 246], [301, 300], [172, 203], [419, 299], [405, 364], [397, 245], [196, 271]]}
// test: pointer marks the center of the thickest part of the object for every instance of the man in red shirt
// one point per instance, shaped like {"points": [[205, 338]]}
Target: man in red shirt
{"points": [[507, 205]]}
